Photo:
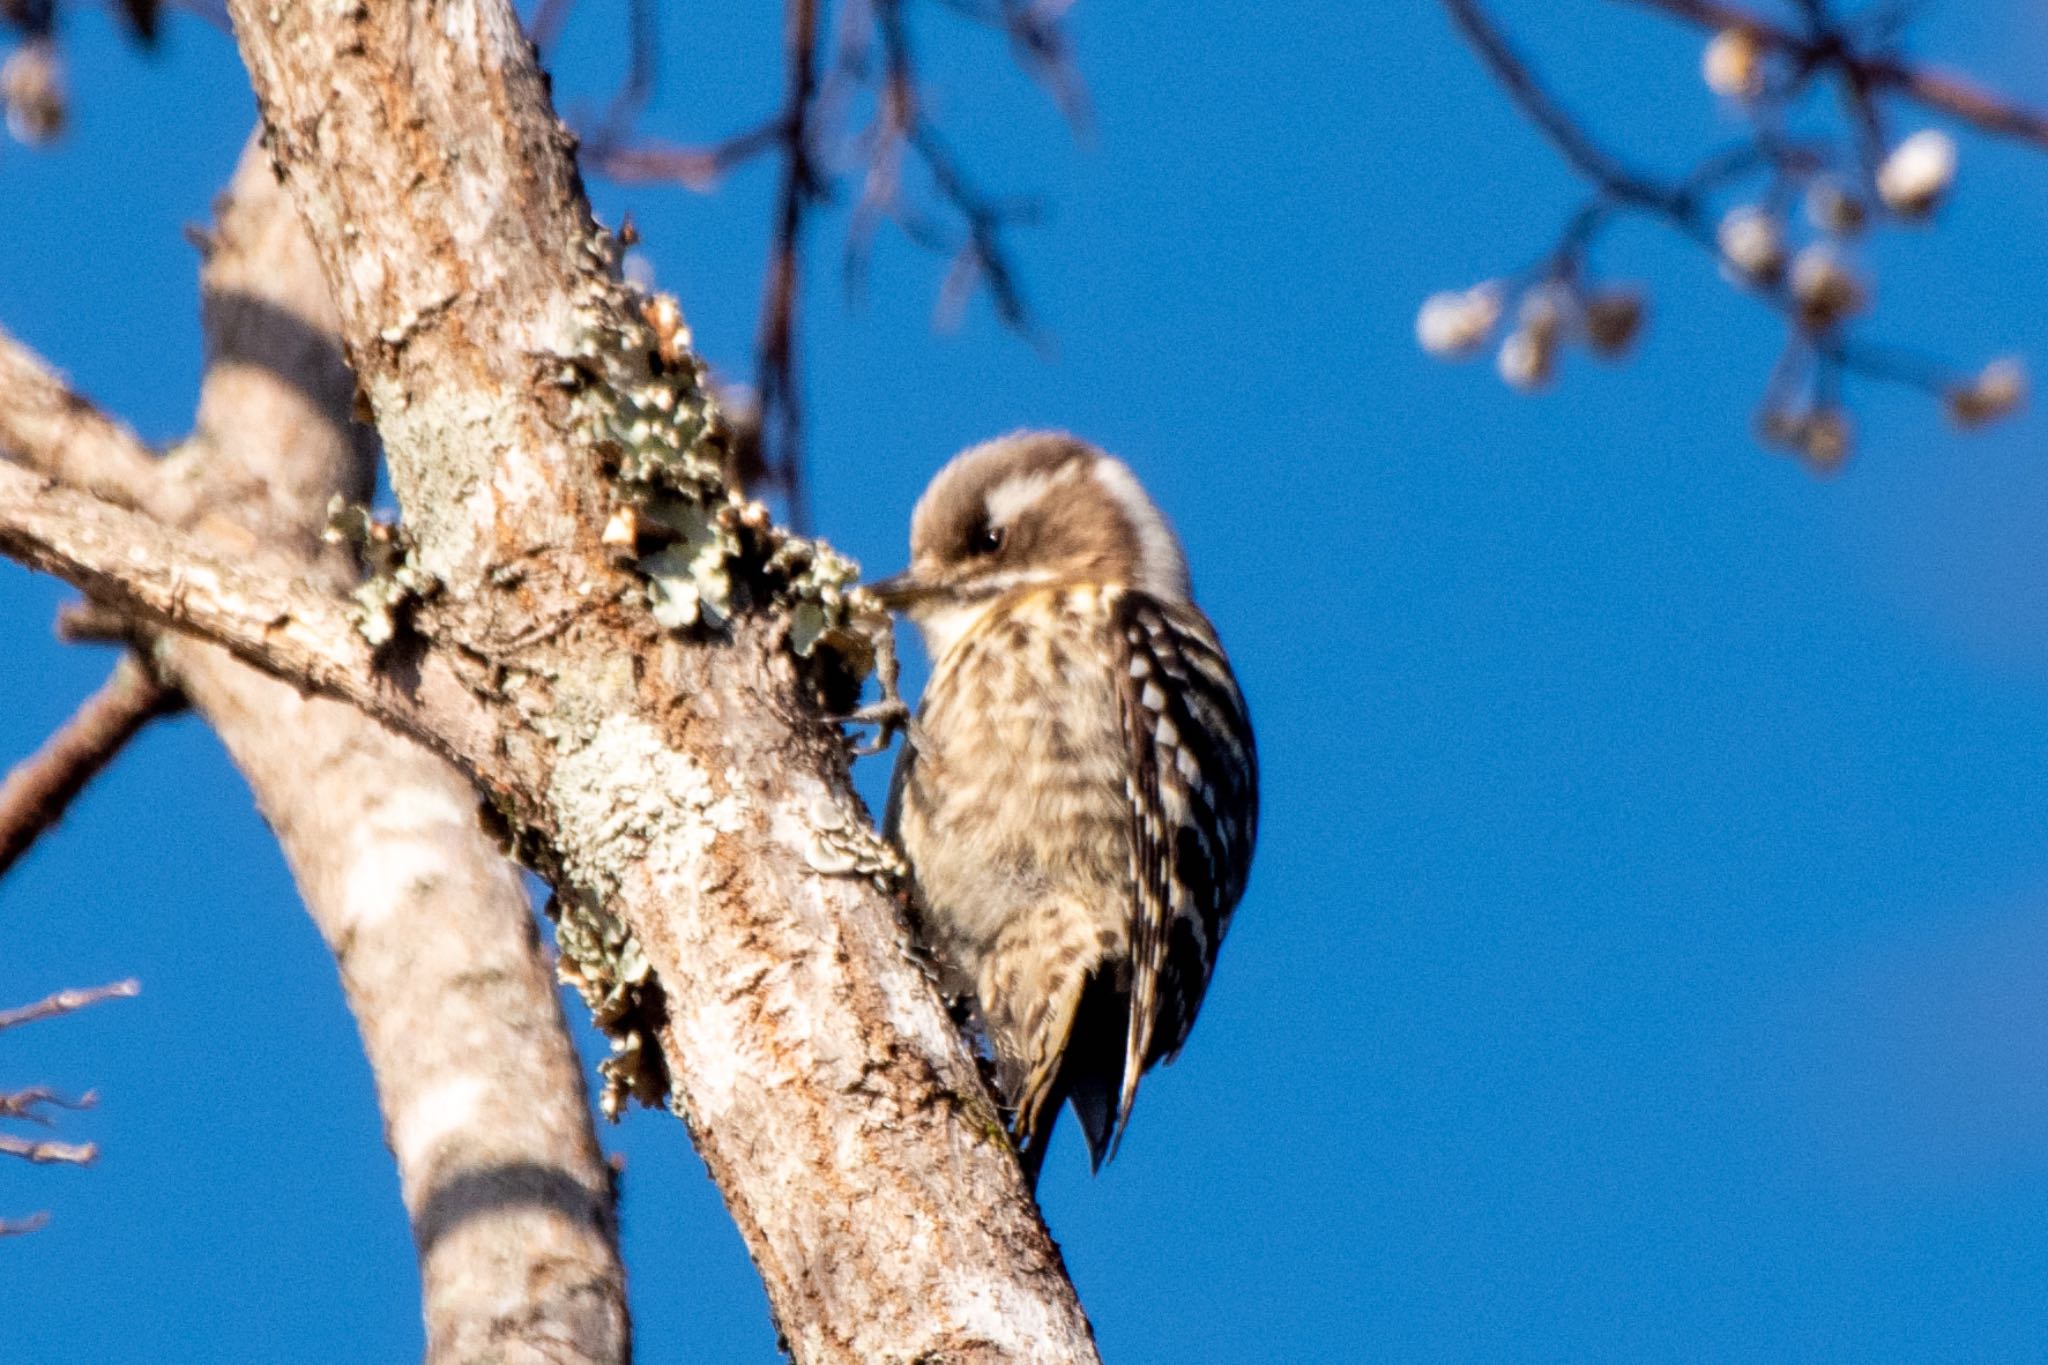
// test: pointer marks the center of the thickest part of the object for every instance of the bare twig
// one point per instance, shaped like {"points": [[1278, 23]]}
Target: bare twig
{"points": [[66, 1001], [816, 92], [1929, 86], [43, 1152], [1586, 156], [169, 578], [41, 788], [1819, 349], [27, 1104], [980, 255], [694, 168], [548, 18], [775, 347]]}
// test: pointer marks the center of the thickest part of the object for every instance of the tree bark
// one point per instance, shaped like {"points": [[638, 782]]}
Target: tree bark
{"points": [[482, 1091], [677, 779], [481, 1088]]}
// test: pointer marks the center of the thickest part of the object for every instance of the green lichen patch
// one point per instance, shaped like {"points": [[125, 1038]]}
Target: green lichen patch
{"points": [[395, 583], [705, 553], [841, 846], [600, 957]]}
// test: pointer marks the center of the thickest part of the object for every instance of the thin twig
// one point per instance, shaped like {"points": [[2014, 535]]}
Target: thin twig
{"points": [[817, 92], [694, 168], [775, 376], [1681, 206], [547, 23], [26, 1105], [38, 791], [66, 1001], [1946, 92], [1587, 157], [18, 1227], [643, 69], [44, 1152]]}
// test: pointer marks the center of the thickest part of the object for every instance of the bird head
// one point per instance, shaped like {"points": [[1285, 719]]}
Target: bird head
{"points": [[1031, 508]]}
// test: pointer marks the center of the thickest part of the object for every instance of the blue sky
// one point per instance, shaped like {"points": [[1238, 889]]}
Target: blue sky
{"points": [[1645, 953]]}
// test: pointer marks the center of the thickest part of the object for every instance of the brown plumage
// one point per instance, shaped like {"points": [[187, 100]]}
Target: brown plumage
{"points": [[1079, 800]]}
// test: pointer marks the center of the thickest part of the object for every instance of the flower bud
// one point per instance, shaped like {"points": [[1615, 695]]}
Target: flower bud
{"points": [[1825, 288], [32, 92], [1996, 392], [1825, 439], [1456, 322], [1777, 427], [1547, 310], [1614, 317], [1918, 173], [1831, 208], [1752, 244], [1732, 65], [1526, 361]]}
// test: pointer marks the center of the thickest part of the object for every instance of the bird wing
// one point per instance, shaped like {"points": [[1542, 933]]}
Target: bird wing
{"points": [[1192, 783]]}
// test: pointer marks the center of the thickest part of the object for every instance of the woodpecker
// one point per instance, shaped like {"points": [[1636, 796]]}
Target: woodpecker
{"points": [[1078, 795]]}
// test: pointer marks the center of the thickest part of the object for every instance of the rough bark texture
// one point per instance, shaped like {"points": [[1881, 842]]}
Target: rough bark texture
{"points": [[681, 781], [482, 1091], [686, 785], [481, 1088]]}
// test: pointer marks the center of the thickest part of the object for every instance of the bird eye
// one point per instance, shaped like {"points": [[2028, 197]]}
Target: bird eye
{"points": [[984, 539]]}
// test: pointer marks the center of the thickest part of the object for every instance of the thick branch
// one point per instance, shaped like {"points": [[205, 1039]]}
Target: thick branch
{"points": [[283, 626], [42, 787], [683, 785], [481, 1088]]}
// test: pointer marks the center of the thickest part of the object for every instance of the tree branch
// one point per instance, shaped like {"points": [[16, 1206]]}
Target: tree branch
{"points": [[68, 438], [168, 578], [680, 782], [1931, 87], [68, 1001], [39, 789], [44, 1152], [481, 1088]]}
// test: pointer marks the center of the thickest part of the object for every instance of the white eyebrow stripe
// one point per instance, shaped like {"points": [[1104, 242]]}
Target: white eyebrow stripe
{"points": [[1009, 499], [1162, 568]]}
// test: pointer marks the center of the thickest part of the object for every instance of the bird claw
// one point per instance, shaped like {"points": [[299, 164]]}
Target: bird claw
{"points": [[890, 717]]}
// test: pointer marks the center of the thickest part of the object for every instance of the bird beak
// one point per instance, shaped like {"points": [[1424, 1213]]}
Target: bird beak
{"points": [[899, 590]]}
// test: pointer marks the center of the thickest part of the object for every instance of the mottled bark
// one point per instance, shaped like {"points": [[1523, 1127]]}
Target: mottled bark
{"points": [[481, 1088], [482, 1091], [684, 784]]}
